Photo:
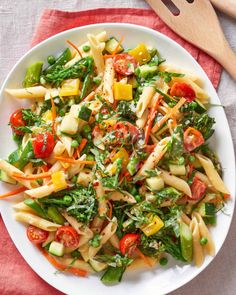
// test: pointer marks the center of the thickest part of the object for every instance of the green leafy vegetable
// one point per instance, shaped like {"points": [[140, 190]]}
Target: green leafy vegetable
{"points": [[175, 147], [127, 111], [95, 241], [202, 122]]}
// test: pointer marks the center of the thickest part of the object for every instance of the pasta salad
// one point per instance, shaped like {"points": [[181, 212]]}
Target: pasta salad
{"points": [[112, 161]]}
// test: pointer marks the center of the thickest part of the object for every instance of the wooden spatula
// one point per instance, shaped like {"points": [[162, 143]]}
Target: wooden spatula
{"points": [[226, 6], [197, 22]]}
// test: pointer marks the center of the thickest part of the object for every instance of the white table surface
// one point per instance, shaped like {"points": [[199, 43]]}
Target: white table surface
{"points": [[18, 19]]}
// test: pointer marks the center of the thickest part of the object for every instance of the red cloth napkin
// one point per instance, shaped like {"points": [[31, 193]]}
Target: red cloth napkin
{"points": [[16, 277]]}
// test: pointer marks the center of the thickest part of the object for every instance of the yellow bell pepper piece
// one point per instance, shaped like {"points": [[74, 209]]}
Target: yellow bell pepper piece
{"points": [[121, 154], [70, 87], [123, 91], [47, 116], [153, 226], [140, 53], [59, 180], [110, 122], [111, 169]]}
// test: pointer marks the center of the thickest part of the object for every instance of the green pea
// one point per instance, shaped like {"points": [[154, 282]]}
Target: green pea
{"points": [[193, 105], [51, 59], [167, 79], [181, 160], [203, 241], [138, 198], [87, 129], [74, 143], [86, 48], [97, 80], [163, 261], [90, 157], [191, 159]]}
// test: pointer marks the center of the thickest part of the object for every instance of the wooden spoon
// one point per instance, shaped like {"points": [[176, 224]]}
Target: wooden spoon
{"points": [[226, 6], [197, 22]]}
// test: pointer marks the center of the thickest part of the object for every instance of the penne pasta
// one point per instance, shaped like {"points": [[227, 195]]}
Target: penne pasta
{"points": [[114, 240], [141, 122], [124, 196], [198, 254], [212, 174], [80, 264], [10, 169], [36, 221], [40, 192], [108, 78], [22, 207], [106, 234], [100, 195], [154, 157], [96, 53], [144, 100], [176, 182], [204, 232], [36, 92], [97, 224]]}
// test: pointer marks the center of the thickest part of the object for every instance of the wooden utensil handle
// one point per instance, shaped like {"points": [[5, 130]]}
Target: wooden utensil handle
{"points": [[227, 58], [226, 6]]}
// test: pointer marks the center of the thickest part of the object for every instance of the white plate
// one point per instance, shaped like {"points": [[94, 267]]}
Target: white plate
{"points": [[163, 279]]}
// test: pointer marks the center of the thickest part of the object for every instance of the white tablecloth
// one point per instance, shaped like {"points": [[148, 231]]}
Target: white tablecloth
{"points": [[18, 19]]}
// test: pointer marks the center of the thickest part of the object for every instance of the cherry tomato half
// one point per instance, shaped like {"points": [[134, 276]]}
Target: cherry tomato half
{"points": [[36, 235], [68, 236], [198, 188], [129, 243], [125, 131], [192, 139], [43, 145], [124, 64], [16, 120], [183, 90]]}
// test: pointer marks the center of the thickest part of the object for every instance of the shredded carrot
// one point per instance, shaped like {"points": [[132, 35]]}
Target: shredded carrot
{"points": [[32, 176], [80, 148], [90, 96], [82, 145], [151, 118], [54, 115], [118, 45], [110, 209], [75, 47], [217, 199], [61, 267], [12, 193], [227, 196], [145, 258], [170, 113], [73, 161], [108, 56]]}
